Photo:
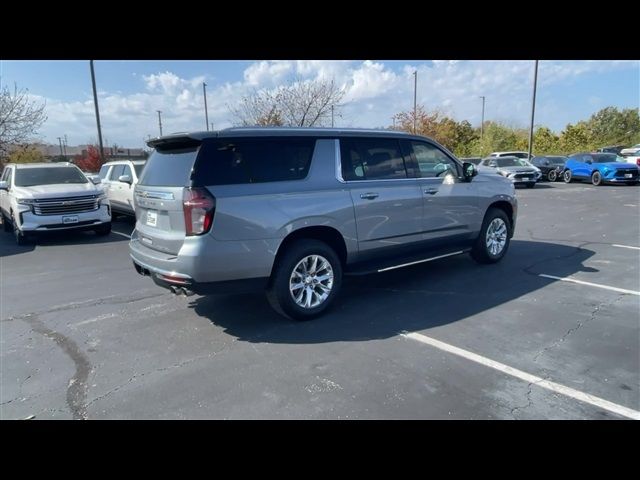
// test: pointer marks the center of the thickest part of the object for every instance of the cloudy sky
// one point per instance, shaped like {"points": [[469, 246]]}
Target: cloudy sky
{"points": [[130, 92]]}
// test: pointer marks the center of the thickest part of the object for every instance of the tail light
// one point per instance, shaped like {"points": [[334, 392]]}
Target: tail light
{"points": [[199, 206], [638, 161]]}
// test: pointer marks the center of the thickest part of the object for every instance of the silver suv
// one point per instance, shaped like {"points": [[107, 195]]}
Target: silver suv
{"points": [[43, 197], [292, 210], [118, 179]]}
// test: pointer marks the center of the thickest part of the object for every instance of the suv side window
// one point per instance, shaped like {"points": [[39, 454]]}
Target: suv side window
{"points": [[103, 171], [7, 175], [433, 162], [127, 171], [372, 159], [229, 161], [116, 171]]}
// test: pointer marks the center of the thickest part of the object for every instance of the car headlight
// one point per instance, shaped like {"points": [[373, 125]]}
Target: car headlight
{"points": [[502, 172], [25, 201], [102, 198]]}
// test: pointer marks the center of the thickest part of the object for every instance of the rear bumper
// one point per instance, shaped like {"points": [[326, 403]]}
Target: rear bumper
{"points": [[204, 260], [173, 280]]}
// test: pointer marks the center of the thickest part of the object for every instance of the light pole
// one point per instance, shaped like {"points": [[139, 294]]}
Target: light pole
{"points": [[60, 140], [160, 121], [415, 99], [95, 102], [64, 144], [206, 112], [482, 121], [331, 116], [212, 126], [533, 108]]}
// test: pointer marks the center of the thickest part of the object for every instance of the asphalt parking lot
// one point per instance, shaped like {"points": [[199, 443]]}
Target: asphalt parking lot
{"points": [[83, 336]]}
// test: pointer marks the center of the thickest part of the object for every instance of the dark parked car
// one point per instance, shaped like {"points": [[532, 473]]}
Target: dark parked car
{"points": [[599, 168], [551, 166], [611, 149], [474, 160]]}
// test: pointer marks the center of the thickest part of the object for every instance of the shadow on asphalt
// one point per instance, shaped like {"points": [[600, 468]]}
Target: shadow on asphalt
{"points": [[413, 298], [9, 247]]}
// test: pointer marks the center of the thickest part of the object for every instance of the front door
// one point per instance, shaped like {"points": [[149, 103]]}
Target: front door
{"points": [[451, 209], [388, 204]]}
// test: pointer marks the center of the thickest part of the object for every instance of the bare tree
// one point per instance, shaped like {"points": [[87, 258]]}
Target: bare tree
{"points": [[20, 117], [299, 104]]}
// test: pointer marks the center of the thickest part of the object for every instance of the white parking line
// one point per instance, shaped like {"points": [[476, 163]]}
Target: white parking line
{"points": [[597, 285], [626, 246], [121, 234], [95, 319], [527, 377]]}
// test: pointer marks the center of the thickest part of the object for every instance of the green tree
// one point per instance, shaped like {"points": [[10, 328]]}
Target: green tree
{"points": [[545, 142], [611, 126], [26, 154], [576, 138]]}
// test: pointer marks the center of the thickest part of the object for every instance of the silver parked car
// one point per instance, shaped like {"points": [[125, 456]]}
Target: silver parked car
{"points": [[44, 197], [292, 210], [517, 170]]}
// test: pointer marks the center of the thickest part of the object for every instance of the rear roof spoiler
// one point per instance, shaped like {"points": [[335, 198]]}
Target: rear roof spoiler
{"points": [[174, 141]]}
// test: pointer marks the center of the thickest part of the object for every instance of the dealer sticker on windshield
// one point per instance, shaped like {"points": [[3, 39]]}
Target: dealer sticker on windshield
{"points": [[152, 218]]}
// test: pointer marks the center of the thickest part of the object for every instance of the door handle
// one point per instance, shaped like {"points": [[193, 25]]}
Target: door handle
{"points": [[369, 196], [431, 191]]}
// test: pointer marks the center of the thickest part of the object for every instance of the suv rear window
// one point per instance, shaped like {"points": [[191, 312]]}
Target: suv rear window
{"points": [[230, 161], [169, 168]]}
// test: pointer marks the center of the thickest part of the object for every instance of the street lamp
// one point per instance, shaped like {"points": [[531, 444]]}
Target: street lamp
{"points": [[160, 121], [415, 99], [206, 112], [533, 108], [482, 121]]}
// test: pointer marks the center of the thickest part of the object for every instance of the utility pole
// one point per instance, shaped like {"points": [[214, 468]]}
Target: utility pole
{"points": [[64, 144], [212, 129], [60, 140], [331, 116], [95, 102], [160, 121], [415, 100], [533, 108], [482, 121], [206, 112]]}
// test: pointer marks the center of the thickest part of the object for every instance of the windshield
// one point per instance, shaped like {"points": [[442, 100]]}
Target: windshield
{"points": [[138, 168], [511, 162], [606, 158], [519, 154], [557, 160], [29, 177]]}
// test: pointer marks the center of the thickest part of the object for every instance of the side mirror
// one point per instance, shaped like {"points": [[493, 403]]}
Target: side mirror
{"points": [[493, 164], [95, 179], [125, 179], [588, 161], [4, 186], [469, 171]]}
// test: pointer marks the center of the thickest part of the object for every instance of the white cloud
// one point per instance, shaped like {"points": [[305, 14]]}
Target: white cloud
{"points": [[374, 91]]}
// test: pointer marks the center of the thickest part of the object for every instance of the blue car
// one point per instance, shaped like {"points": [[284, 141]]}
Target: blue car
{"points": [[599, 168]]}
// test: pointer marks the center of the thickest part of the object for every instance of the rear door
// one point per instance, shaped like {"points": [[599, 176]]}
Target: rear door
{"points": [[158, 197], [451, 209], [388, 204], [112, 187]]}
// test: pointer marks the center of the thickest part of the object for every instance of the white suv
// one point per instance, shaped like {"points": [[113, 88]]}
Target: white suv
{"points": [[119, 178], [44, 197]]}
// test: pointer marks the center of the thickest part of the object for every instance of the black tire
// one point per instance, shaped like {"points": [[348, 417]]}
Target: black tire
{"points": [[278, 293], [6, 224], [552, 176], [596, 178], [531, 185], [103, 230], [480, 251], [566, 176], [20, 237]]}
